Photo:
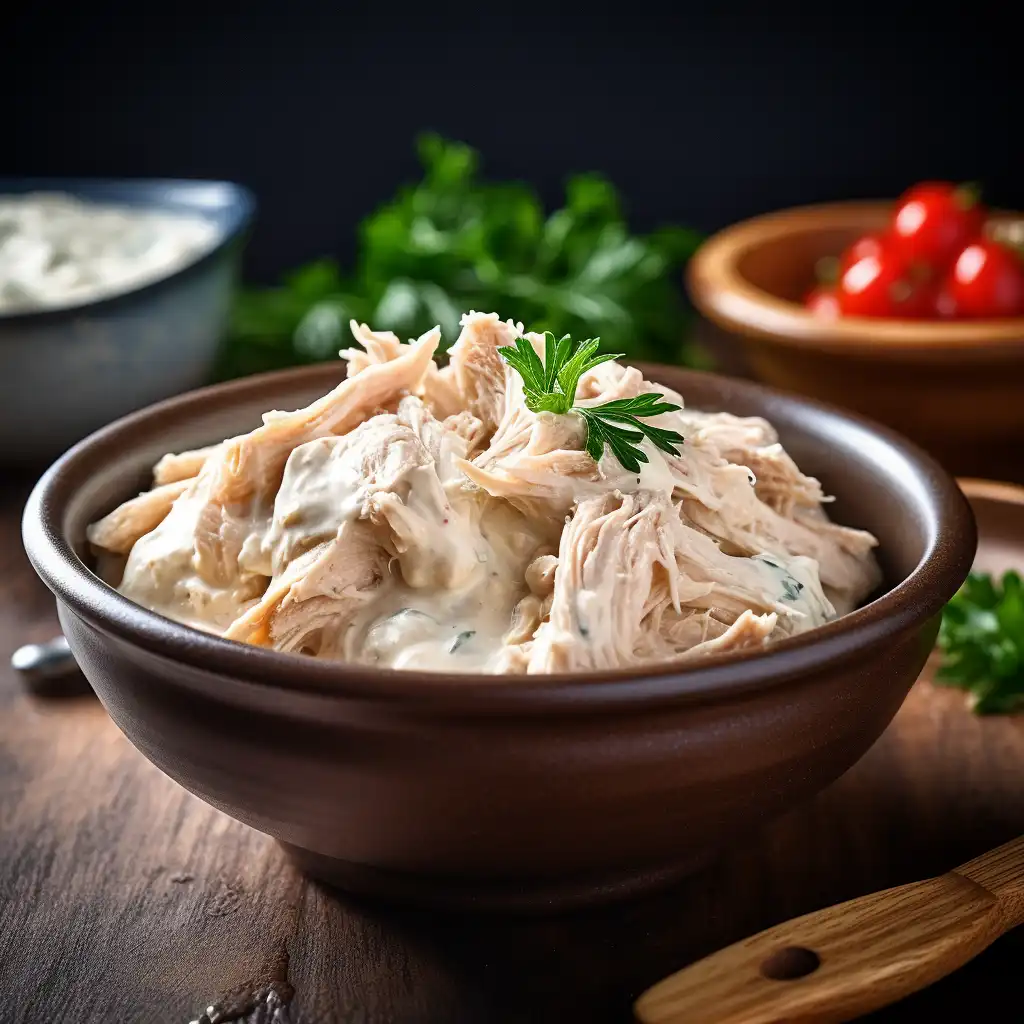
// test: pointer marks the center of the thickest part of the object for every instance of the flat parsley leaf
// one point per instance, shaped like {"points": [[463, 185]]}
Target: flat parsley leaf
{"points": [[550, 386], [982, 643]]}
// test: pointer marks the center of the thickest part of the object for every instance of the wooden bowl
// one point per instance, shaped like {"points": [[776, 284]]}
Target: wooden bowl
{"points": [[999, 513], [957, 388], [521, 793]]}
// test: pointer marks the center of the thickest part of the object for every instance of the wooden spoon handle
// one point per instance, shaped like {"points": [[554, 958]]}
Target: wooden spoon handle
{"points": [[838, 963]]}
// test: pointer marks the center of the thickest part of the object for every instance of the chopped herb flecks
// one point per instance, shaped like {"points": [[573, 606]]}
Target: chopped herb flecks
{"points": [[461, 639]]}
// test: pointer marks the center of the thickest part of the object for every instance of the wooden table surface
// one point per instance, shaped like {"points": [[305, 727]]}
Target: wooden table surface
{"points": [[124, 899]]}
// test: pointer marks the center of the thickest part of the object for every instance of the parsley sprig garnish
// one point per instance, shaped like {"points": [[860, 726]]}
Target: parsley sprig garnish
{"points": [[982, 642], [549, 385]]}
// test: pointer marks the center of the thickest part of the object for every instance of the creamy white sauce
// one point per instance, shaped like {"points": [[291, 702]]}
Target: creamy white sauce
{"points": [[794, 586], [317, 493], [56, 250], [458, 557], [161, 573], [458, 628]]}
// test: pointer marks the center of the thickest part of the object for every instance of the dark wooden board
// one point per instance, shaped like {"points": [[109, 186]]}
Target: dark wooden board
{"points": [[124, 899]]}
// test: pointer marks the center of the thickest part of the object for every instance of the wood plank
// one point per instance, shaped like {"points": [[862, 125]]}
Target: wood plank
{"points": [[123, 898]]}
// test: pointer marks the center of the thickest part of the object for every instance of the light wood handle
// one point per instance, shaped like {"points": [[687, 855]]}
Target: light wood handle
{"points": [[838, 963]]}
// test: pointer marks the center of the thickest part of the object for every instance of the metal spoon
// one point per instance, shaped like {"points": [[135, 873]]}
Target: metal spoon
{"points": [[41, 665]]}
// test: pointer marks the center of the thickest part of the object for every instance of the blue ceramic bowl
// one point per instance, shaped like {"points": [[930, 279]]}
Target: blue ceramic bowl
{"points": [[65, 372]]}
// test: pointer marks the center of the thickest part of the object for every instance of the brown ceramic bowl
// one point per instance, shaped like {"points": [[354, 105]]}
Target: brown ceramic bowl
{"points": [[957, 388], [524, 792]]}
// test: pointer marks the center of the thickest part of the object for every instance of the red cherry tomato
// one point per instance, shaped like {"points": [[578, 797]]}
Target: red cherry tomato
{"points": [[987, 280], [926, 303], [866, 245], [943, 305], [823, 302], [884, 285], [935, 220]]}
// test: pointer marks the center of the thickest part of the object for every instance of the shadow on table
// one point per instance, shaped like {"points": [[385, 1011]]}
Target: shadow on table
{"points": [[857, 837]]}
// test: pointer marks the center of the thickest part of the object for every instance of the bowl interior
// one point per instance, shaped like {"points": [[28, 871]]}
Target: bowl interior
{"points": [[228, 206], [783, 265], [222, 202]]}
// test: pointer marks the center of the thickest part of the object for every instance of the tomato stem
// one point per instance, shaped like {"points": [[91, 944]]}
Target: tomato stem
{"points": [[967, 195]]}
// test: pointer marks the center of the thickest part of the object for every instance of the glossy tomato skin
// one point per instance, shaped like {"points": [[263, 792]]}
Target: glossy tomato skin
{"points": [[865, 246], [987, 281], [942, 304], [934, 221], [883, 285], [822, 302]]}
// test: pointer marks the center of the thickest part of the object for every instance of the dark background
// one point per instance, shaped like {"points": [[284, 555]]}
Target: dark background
{"points": [[701, 116]]}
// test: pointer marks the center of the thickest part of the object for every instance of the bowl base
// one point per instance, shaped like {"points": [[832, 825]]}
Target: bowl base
{"points": [[523, 896]]}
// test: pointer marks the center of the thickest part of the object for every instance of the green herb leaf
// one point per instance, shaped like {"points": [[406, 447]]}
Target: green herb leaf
{"points": [[982, 642], [551, 387], [454, 242], [667, 440]]}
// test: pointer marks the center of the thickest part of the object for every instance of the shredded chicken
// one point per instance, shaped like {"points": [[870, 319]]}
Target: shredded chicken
{"points": [[476, 368], [316, 595], [422, 516], [118, 531], [181, 466]]}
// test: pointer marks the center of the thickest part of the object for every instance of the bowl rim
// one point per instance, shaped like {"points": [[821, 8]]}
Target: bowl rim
{"points": [[237, 206], [996, 492], [949, 552], [725, 296]]}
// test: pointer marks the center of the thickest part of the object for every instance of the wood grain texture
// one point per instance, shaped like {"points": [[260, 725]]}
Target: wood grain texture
{"points": [[123, 898], [1001, 872]]}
